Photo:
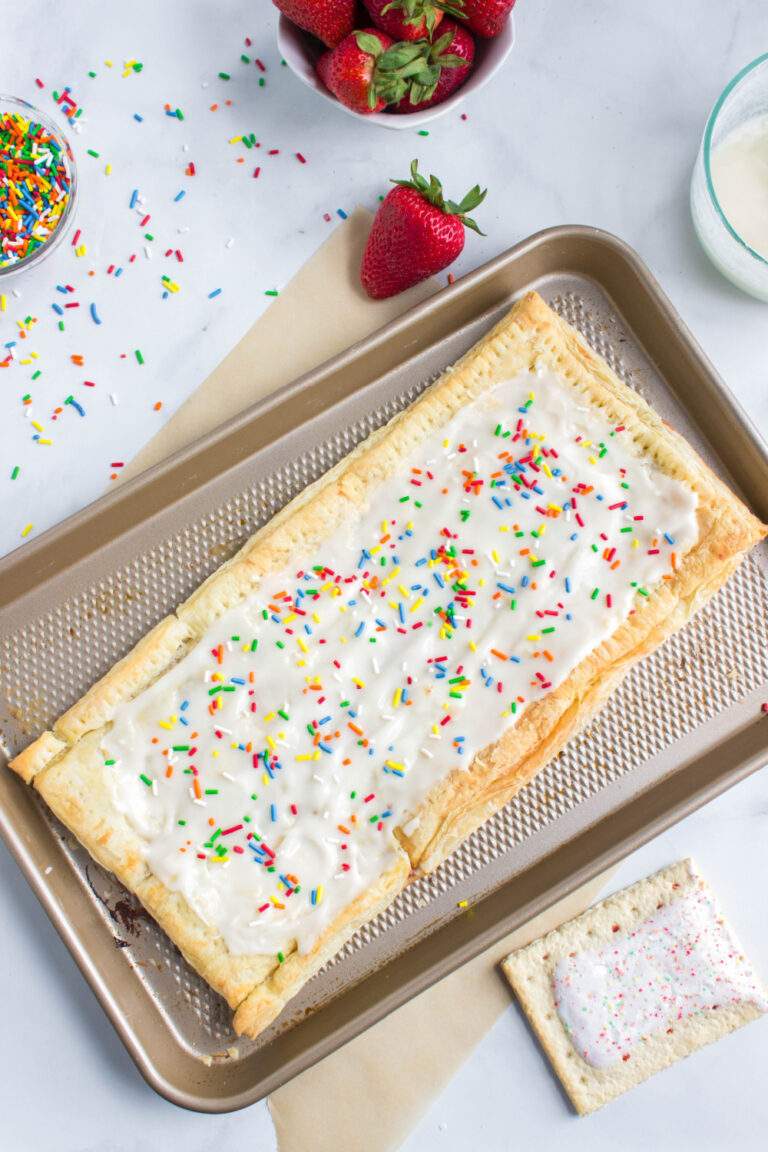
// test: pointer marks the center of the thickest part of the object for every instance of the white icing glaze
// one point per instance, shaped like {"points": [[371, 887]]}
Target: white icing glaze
{"points": [[368, 659], [682, 960]]}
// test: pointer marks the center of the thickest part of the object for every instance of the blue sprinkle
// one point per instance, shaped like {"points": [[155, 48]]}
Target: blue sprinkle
{"points": [[567, 583], [77, 407], [94, 315], [340, 212], [216, 292], [236, 680], [669, 539], [134, 198], [139, 119], [360, 628], [58, 309], [273, 813]]}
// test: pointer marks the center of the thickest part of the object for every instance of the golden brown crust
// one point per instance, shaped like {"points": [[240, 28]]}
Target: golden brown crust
{"points": [[267, 1000], [75, 786], [232, 976], [67, 765]]}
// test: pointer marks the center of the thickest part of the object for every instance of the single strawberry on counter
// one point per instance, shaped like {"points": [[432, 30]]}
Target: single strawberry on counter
{"points": [[487, 18], [409, 19], [368, 70], [329, 20], [453, 53], [415, 233]]}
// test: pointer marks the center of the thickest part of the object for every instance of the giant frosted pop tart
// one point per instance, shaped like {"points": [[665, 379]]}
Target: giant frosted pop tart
{"points": [[390, 659]]}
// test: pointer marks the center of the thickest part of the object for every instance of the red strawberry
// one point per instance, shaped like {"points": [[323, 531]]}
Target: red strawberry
{"points": [[415, 234], [368, 70], [329, 20], [454, 54], [409, 19], [487, 17]]}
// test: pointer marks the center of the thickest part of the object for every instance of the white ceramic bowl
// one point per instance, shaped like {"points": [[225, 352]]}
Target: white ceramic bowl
{"points": [[301, 51]]}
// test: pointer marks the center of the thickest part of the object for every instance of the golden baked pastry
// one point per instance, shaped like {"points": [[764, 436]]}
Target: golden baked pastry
{"points": [[389, 660]]}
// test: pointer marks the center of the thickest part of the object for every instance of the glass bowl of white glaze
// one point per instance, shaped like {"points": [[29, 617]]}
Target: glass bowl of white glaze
{"points": [[729, 189]]}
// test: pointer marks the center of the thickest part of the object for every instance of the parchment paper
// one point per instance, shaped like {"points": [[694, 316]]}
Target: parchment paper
{"points": [[371, 1093], [321, 312]]}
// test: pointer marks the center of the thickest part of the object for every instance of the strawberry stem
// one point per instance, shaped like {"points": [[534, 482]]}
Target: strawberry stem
{"points": [[432, 191], [416, 12]]}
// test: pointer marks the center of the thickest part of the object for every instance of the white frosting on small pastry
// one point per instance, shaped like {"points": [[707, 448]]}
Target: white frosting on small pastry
{"points": [[266, 772], [682, 960]]}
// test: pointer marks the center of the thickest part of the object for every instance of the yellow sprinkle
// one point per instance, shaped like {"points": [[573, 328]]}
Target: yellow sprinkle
{"points": [[319, 894], [495, 556], [3, 303], [315, 618], [301, 644], [264, 779], [108, 63], [80, 250], [360, 683], [404, 591], [271, 743], [462, 903], [591, 459], [235, 139], [26, 531], [269, 716], [394, 764], [503, 528], [416, 603], [215, 753], [635, 543], [546, 469], [41, 441], [108, 170], [533, 636], [472, 646], [37, 426], [397, 697]]}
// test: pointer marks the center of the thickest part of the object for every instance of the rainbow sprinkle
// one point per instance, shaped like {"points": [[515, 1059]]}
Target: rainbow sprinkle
{"points": [[35, 186]]}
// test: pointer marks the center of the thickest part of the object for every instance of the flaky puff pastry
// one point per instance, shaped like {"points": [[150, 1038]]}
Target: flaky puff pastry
{"points": [[65, 765]]}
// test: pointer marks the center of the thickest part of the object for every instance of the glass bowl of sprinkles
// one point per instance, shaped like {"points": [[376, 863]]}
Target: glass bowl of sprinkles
{"points": [[38, 185]]}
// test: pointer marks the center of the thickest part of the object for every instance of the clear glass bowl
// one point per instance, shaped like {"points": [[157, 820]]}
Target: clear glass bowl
{"points": [[15, 104], [744, 98]]}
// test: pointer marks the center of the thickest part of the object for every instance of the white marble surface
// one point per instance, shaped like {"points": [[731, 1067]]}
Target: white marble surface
{"points": [[595, 120]]}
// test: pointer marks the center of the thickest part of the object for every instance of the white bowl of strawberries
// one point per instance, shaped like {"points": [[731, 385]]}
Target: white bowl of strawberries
{"points": [[397, 63]]}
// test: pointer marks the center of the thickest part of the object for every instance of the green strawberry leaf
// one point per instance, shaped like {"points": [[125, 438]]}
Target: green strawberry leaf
{"points": [[432, 191], [369, 43]]}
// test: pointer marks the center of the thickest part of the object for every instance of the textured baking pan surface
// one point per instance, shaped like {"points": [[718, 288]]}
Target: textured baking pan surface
{"points": [[699, 693]]}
